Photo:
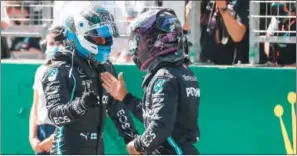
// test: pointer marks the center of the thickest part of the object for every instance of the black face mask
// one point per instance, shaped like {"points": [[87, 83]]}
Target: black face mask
{"points": [[136, 61]]}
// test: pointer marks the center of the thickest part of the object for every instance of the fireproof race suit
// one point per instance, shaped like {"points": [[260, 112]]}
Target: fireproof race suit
{"points": [[169, 110], [80, 128]]}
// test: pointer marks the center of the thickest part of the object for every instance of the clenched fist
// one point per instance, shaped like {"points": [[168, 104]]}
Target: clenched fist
{"points": [[90, 99]]}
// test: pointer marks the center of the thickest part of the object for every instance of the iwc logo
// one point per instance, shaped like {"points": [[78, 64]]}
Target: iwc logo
{"points": [[279, 111]]}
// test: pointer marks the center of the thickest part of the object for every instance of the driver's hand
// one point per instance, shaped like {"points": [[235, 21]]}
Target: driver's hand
{"points": [[115, 87]]}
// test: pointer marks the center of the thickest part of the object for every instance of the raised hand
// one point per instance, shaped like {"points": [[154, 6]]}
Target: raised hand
{"points": [[115, 87]]}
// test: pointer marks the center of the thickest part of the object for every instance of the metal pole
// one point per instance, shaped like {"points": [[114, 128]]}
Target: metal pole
{"points": [[254, 54], [195, 31]]}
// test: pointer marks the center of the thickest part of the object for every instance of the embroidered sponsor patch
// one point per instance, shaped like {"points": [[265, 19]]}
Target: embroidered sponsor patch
{"points": [[53, 74], [158, 86]]}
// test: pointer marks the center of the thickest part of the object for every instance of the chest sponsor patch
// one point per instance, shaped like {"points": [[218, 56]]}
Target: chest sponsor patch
{"points": [[193, 92]]}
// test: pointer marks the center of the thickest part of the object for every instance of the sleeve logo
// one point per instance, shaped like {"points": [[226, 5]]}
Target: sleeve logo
{"points": [[53, 74], [158, 86]]}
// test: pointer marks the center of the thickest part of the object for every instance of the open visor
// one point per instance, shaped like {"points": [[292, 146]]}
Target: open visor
{"points": [[101, 36]]}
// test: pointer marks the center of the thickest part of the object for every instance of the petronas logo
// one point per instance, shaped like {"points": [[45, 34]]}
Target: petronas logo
{"points": [[278, 111]]}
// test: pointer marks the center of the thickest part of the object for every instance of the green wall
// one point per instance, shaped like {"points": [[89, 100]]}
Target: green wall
{"points": [[236, 110]]}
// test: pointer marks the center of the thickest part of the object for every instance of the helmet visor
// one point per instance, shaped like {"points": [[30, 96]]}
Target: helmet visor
{"points": [[101, 36]]}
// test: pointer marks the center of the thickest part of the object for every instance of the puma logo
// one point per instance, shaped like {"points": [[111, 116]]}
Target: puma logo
{"points": [[85, 136]]}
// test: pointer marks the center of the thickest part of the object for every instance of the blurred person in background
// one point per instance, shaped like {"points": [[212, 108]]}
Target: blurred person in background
{"points": [[130, 10], [281, 54], [60, 9], [77, 103], [224, 25], [170, 105], [22, 14], [41, 128], [4, 24], [5, 21]]}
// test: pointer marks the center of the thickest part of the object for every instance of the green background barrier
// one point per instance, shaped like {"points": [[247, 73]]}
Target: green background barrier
{"points": [[236, 110]]}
